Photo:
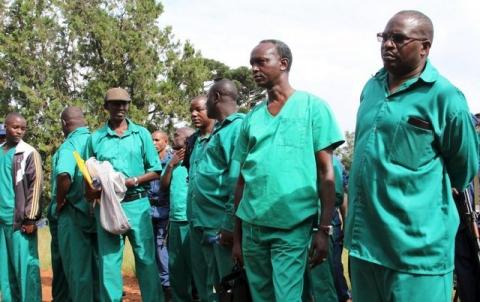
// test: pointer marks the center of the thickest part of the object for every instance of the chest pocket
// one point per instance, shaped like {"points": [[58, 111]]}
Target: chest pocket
{"points": [[411, 146], [291, 132]]}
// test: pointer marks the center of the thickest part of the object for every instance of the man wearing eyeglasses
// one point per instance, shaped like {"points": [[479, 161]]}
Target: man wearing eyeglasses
{"points": [[414, 142]]}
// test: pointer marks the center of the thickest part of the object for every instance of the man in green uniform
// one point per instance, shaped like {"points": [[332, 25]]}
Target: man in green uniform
{"points": [[174, 180], [20, 189], [285, 150], [212, 185], [129, 148], [193, 153], [76, 224], [414, 142]]}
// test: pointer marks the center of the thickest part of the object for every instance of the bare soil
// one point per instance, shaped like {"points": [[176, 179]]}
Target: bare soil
{"points": [[130, 286]]}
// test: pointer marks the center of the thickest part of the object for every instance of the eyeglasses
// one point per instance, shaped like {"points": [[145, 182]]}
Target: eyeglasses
{"points": [[397, 38]]}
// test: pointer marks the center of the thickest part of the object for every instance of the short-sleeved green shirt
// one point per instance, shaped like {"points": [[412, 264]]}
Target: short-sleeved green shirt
{"points": [[277, 158], [411, 147], [132, 154], [197, 152], [178, 193], [65, 163], [213, 180], [339, 189], [7, 193]]}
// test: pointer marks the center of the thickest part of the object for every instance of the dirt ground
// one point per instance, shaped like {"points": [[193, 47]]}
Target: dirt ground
{"points": [[130, 286]]}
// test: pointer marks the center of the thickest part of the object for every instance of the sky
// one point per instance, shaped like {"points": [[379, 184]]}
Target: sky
{"points": [[334, 45]]}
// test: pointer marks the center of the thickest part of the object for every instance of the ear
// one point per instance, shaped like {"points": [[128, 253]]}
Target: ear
{"points": [[217, 96], [64, 123], [425, 50], [283, 64]]}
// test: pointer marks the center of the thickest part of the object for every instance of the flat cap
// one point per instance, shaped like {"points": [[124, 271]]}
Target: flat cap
{"points": [[117, 94]]}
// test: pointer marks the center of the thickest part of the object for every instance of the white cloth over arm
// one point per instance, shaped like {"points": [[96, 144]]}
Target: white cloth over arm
{"points": [[112, 217]]}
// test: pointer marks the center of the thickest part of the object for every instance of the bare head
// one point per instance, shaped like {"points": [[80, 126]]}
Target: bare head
{"points": [[15, 128], [180, 136], [222, 99], [72, 118], [160, 140]]}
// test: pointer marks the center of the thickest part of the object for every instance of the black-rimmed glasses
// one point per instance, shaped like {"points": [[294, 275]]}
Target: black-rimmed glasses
{"points": [[396, 38]]}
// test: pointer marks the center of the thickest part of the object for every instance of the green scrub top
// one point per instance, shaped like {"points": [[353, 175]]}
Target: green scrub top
{"points": [[411, 147], [7, 193], [178, 193], [198, 151], [132, 154], [65, 163], [277, 158], [214, 179]]}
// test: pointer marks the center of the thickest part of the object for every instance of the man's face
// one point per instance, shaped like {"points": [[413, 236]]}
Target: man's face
{"points": [[15, 129], [117, 110], [160, 140], [198, 113], [267, 66], [405, 49], [179, 138]]}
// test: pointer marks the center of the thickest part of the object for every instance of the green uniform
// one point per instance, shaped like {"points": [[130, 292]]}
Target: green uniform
{"points": [[198, 262], [19, 265], [132, 154], [212, 184], [411, 147], [178, 237], [76, 225], [60, 290], [280, 197]]}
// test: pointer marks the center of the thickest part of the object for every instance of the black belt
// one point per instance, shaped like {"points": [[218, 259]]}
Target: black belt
{"points": [[134, 196], [158, 203]]}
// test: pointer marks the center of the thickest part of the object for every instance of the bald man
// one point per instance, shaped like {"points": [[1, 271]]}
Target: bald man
{"points": [[175, 181], [414, 141], [76, 230], [160, 206], [212, 185], [20, 189]]}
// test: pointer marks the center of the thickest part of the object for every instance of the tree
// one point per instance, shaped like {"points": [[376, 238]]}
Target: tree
{"points": [[345, 151]]}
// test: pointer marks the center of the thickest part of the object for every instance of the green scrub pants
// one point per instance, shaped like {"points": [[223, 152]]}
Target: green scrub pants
{"points": [[19, 266], [60, 290], [319, 285], [372, 282], [78, 250], [275, 261], [110, 250], [213, 258], [179, 261]]}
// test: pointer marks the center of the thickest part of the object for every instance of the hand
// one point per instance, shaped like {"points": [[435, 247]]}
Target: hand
{"points": [[92, 194], [319, 250], [226, 238], [28, 228], [61, 205], [177, 157], [130, 182], [237, 250]]}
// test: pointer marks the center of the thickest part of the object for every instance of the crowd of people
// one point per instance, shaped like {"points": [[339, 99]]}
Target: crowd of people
{"points": [[260, 191]]}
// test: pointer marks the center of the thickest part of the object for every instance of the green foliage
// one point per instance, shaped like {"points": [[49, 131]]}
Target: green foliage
{"points": [[57, 53], [345, 151]]}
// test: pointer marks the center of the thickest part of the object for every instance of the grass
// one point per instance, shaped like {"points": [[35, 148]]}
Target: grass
{"points": [[44, 239]]}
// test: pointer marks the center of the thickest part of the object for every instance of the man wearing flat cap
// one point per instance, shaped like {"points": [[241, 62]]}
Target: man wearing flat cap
{"points": [[130, 150]]}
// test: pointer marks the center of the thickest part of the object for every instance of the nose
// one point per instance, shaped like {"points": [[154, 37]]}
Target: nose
{"points": [[255, 68]]}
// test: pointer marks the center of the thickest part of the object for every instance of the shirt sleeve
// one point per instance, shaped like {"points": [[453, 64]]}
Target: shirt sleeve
{"points": [[241, 146], [459, 145], [65, 162], [326, 132]]}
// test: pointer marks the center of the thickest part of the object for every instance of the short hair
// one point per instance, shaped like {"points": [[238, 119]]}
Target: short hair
{"points": [[282, 49], [13, 115], [424, 20]]}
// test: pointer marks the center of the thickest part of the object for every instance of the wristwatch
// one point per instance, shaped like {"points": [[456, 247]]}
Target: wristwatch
{"points": [[135, 182], [327, 229]]}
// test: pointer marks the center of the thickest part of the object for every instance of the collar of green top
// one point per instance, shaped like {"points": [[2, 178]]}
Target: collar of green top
{"points": [[132, 128], [428, 75], [79, 130]]}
